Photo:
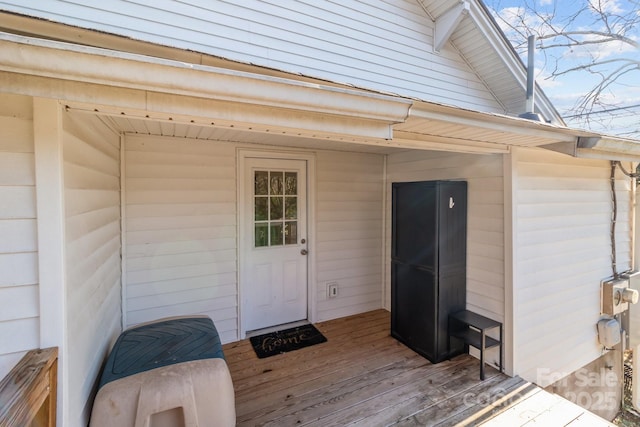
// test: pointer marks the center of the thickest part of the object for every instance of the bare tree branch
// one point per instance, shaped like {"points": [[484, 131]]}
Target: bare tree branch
{"points": [[596, 38], [606, 38]]}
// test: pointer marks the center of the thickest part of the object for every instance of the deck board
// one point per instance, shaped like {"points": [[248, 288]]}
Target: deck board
{"points": [[363, 377]]}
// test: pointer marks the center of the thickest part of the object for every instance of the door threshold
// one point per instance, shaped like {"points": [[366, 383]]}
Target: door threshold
{"points": [[276, 328]]}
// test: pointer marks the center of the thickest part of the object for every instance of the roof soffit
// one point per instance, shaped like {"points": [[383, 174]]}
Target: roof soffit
{"points": [[486, 49], [446, 24]]}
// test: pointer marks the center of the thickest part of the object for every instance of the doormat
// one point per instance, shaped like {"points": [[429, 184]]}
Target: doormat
{"points": [[273, 343]]}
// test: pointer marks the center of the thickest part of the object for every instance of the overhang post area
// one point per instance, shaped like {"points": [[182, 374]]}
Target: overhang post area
{"points": [[49, 176]]}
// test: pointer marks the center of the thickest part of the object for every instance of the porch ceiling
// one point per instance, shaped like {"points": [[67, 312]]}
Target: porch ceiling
{"points": [[131, 125], [428, 127], [418, 133]]}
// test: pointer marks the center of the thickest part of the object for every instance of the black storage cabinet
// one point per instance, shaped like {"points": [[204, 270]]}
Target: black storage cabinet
{"points": [[428, 264]]}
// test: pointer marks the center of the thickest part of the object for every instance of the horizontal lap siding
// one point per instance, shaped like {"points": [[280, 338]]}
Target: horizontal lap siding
{"points": [[383, 45], [181, 231], [19, 291], [181, 254], [349, 233], [563, 210], [485, 216], [485, 220], [92, 229]]}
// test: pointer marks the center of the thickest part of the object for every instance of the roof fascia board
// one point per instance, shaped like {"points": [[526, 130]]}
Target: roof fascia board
{"points": [[593, 146], [585, 153], [54, 59], [440, 143], [627, 148], [491, 121], [447, 22], [125, 102]]}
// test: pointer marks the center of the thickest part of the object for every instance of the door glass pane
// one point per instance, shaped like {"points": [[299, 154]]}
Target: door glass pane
{"points": [[291, 183], [276, 208], [262, 236], [261, 208], [290, 232], [261, 183], [276, 233], [276, 183], [291, 207]]}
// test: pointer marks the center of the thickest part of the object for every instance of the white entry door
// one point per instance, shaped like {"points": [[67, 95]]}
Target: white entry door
{"points": [[274, 242]]}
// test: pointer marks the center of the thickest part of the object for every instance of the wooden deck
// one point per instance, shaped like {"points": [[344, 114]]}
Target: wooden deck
{"points": [[363, 377]]}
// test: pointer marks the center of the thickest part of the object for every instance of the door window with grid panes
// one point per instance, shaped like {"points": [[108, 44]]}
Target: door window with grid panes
{"points": [[275, 208]]}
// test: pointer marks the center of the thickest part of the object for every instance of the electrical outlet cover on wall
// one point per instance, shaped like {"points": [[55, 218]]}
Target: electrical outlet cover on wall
{"points": [[332, 289]]}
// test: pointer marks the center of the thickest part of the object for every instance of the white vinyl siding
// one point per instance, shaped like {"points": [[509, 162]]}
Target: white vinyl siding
{"points": [[181, 231], [563, 210], [349, 233], [19, 293], [92, 228], [485, 220], [181, 245], [381, 45]]}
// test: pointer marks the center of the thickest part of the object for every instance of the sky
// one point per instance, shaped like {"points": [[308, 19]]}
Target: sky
{"points": [[566, 89]]}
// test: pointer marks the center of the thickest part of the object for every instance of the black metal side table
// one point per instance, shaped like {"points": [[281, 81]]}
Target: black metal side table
{"points": [[472, 329]]}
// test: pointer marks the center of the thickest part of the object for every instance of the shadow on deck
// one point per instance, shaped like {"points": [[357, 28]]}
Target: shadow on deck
{"points": [[363, 377]]}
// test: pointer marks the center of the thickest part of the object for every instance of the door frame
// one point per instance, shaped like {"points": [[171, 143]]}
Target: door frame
{"points": [[242, 155]]}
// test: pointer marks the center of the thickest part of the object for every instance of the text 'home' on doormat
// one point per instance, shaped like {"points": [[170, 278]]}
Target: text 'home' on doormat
{"points": [[286, 340]]}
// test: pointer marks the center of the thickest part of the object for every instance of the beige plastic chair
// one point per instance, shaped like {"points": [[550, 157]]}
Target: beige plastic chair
{"points": [[197, 393]]}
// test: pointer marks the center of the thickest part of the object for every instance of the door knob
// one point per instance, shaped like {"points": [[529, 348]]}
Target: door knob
{"points": [[304, 252]]}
